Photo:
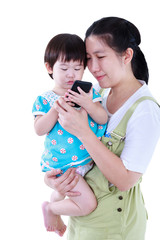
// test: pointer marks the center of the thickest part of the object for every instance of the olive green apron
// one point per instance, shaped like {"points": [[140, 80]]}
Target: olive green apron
{"points": [[119, 215]]}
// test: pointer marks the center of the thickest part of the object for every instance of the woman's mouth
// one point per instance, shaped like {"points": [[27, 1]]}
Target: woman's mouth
{"points": [[99, 78]]}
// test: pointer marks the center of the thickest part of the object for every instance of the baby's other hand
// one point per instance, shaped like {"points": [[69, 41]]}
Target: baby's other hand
{"points": [[82, 98]]}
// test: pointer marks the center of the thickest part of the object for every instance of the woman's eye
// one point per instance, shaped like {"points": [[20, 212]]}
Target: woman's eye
{"points": [[100, 57], [77, 69], [64, 69]]}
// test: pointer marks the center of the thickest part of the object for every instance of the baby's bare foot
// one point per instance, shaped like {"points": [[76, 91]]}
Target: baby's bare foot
{"points": [[52, 222]]}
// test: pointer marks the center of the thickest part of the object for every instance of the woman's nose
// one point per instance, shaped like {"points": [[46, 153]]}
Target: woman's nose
{"points": [[93, 66]]}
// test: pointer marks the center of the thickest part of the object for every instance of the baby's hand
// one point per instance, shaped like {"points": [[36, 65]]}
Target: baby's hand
{"points": [[82, 98]]}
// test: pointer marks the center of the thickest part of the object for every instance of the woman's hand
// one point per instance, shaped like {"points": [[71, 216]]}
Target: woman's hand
{"points": [[72, 120], [63, 184]]}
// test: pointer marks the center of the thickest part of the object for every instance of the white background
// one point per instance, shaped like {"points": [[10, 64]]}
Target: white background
{"points": [[26, 27]]}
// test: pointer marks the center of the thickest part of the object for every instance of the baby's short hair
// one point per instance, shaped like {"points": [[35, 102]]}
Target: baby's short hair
{"points": [[65, 47]]}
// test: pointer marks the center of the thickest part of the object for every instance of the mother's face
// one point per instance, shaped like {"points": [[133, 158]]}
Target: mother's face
{"points": [[104, 63]]}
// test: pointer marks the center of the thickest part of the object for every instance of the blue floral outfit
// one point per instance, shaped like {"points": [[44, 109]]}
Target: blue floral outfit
{"points": [[62, 149]]}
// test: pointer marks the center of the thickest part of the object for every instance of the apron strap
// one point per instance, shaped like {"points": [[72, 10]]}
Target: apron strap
{"points": [[120, 130], [102, 91]]}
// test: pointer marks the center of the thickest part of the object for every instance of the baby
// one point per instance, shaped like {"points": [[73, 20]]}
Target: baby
{"points": [[65, 61]]}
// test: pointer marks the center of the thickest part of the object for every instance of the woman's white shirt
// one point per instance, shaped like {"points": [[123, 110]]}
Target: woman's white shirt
{"points": [[143, 129]]}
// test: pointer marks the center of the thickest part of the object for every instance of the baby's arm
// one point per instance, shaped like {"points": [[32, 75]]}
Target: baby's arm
{"points": [[94, 109], [97, 112], [44, 123]]}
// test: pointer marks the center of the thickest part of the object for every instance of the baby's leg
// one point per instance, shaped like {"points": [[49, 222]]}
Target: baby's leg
{"points": [[74, 206], [56, 196], [57, 224], [85, 203], [52, 222]]}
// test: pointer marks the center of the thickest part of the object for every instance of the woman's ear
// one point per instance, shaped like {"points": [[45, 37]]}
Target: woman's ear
{"points": [[128, 55], [49, 69]]}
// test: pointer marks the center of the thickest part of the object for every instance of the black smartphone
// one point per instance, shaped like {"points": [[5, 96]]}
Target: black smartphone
{"points": [[85, 86]]}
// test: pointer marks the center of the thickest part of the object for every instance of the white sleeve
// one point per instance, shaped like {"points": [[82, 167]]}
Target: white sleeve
{"points": [[143, 131]]}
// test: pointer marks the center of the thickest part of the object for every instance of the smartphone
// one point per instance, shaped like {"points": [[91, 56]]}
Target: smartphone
{"points": [[85, 86]]}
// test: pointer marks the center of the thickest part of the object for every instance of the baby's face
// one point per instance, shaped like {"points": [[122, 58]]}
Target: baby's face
{"points": [[65, 73]]}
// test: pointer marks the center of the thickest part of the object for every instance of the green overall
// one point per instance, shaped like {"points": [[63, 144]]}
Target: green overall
{"points": [[119, 215]]}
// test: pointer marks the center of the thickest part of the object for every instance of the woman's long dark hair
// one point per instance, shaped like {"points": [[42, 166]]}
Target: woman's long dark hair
{"points": [[121, 34]]}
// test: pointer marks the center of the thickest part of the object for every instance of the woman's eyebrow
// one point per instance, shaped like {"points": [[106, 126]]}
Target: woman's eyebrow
{"points": [[97, 51]]}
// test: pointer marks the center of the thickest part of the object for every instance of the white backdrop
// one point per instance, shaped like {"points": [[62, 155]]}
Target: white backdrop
{"points": [[26, 28]]}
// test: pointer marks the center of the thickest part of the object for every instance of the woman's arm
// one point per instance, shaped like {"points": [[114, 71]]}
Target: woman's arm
{"points": [[109, 164], [94, 109], [43, 124]]}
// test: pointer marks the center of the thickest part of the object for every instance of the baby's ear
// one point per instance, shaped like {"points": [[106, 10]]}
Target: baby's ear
{"points": [[49, 69]]}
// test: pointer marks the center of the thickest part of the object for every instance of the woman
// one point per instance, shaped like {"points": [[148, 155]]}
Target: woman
{"points": [[116, 61]]}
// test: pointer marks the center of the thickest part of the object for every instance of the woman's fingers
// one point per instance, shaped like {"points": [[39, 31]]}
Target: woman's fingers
{"points": [[72, 194], [66, 182], [67, 177], [50, 177], [62, 106], [58, 107], [53, 173], [63, 184], [70, 186]]}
